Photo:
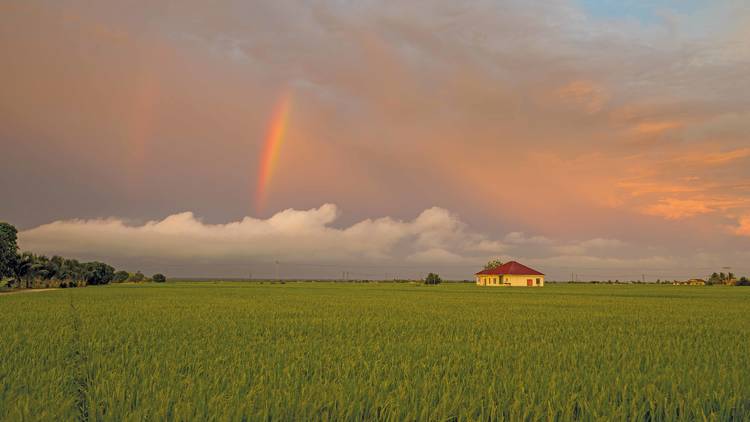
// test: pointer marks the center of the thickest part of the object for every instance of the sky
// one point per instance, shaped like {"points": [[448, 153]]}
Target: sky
{"points": [[587, 139]]}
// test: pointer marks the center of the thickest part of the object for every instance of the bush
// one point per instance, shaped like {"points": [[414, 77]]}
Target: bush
{"points": [[137, 277], [159, 278], [743, 282], [120, 277], [433, 279], [98, 273]]}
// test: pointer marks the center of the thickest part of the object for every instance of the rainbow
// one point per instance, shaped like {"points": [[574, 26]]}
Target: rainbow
{"points": [[277, 128]]}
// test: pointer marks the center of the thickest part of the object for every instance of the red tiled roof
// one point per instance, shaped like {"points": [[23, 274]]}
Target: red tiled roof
{"points": [[510, 268]]}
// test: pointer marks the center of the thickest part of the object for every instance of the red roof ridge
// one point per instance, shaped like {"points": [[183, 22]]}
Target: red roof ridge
{"points": [[510, 268]]}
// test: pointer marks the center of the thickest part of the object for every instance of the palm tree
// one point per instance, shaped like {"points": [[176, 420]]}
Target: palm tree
{"points": [[22, 268], [71, 270], [41, 269]]}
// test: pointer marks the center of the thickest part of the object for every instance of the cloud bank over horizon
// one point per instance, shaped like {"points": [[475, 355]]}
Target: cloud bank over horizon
{"points": [[309, 243]]}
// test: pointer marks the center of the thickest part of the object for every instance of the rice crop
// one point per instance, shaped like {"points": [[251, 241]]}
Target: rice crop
{"points": [[328, 351]]}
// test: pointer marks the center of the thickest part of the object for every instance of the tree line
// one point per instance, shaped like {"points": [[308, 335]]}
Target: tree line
{"points": [[29, 270]]}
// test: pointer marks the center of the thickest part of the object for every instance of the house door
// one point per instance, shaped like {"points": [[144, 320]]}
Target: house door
{"points": [[529, 282]]}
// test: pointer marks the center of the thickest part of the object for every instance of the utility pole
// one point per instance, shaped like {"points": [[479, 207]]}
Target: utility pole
{"points": [[643, 277]]}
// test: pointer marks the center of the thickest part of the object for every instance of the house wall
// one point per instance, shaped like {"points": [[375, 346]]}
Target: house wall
{"points": [[520, 280], [514, 280], [489, 280]]}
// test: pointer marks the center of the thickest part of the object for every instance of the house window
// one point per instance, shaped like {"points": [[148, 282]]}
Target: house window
{"points": [[537, 281]]}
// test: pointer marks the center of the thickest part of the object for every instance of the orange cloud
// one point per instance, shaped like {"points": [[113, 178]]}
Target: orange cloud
{"points": [[586, 94], [640, 188], [703, 157], [725, 157], [676, 209], [744, 227], [649, 128]]}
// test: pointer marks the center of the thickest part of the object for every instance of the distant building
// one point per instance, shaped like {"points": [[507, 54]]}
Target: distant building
{"points": [[691, 282], [510, 274]]}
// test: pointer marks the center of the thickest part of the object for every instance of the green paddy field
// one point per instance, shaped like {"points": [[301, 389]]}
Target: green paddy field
{"points": [[327, 351]]}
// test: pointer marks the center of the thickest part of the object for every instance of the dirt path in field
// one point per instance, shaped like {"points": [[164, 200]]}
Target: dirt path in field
{"points": [[17, 292]]}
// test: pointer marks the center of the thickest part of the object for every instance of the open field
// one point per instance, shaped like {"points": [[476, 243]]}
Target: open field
{"points": [[206, 351]]}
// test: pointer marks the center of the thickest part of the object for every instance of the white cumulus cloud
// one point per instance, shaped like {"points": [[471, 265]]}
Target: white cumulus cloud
{"points": [[435, 235], [309, 244]]}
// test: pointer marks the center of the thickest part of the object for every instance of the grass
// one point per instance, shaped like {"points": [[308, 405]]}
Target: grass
{"points": [[300, 351]]}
